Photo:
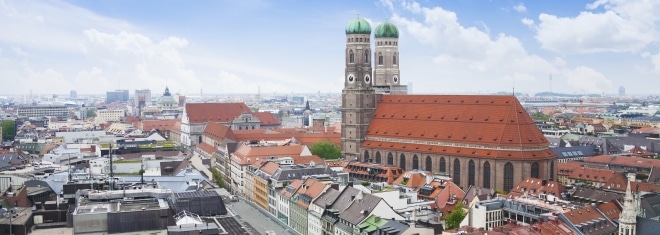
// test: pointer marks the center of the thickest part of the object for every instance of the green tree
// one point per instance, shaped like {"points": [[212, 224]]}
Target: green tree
{"points": [[8, 130], [326, 150], [91, 113], [453, 220], [217, 178]]}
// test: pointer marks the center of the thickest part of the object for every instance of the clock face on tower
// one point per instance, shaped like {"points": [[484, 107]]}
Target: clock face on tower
{"points": [[395, 79], [367, 79], [350, 78]]}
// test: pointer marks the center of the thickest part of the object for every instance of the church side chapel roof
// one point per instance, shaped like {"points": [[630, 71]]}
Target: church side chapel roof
{"points": [[470, 125], [266, 118], [215, 112]]}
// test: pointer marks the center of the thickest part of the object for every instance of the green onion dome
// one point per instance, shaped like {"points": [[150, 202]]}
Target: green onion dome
{"points": [[387, 30], [358, 26]]}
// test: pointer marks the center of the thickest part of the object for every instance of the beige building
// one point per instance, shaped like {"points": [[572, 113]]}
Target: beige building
{"points": [[109, 115]]}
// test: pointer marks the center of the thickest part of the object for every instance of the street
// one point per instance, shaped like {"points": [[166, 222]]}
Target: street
{"points": [[257, 218]]}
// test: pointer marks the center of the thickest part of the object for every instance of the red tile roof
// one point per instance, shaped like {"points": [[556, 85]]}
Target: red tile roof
{"points": [[413, 179], [312, 188], [267, 118], [624, 161], [534, 186], [215, 112], [493, 121], [219, 131], [301, 135], [270, 167], [162, 125], [610, 210], [206, 148], [246, 154]]}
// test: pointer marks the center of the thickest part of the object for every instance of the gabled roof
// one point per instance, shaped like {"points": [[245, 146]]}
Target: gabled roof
{"points": [[327, 198], [310, 190], [534, 186], [269, 167], [215, 112], [266, 118], [412, 179], [360, 209], [610, 210], [624, 161], [219, 131], [290, 190], [206, 148], [466, 119]]}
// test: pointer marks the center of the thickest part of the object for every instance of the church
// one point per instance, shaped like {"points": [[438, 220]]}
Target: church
{"points": [[477, 140]]}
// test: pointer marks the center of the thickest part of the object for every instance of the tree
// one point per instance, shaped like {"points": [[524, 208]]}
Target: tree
{"points": [[91, 113], [326, 150], [455, 217], [8, 130], [217, 178]]}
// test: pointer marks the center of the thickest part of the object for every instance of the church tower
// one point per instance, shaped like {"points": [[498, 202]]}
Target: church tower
{"points": [[628, 216], [387, 77], [358, 97]]}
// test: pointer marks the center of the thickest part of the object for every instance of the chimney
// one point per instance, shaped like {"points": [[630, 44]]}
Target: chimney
{"points": [[335, 186]]}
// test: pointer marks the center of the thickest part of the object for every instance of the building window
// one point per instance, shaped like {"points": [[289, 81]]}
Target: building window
{"points": [[429, 166], [351, 57], [378, 158], [552, 170], [366, 56], [486, 174], [443, 165], [508, 176], [457, 172], [390, 159], [380, 59], [471, 172], [535, 170], [394, 59], [366, 156], [402, 161], [415, 165]]}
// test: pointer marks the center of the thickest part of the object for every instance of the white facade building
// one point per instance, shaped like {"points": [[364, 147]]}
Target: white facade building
{"points": [[109, 115]]}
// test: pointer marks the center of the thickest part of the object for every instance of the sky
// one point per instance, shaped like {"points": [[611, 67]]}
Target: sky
{"points": [[292, 46]]}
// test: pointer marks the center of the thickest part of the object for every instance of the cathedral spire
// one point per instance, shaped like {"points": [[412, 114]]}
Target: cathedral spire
{"points": [[628, 217]]}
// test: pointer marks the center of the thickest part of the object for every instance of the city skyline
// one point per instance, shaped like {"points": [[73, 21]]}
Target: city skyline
{"points": [[291, 47]]}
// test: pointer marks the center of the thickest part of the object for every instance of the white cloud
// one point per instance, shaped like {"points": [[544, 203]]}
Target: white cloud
{"points": [[527, 21], [19, 52], [501, 56], [654, 59], [622, 26], [585, 79], [520, 7]]}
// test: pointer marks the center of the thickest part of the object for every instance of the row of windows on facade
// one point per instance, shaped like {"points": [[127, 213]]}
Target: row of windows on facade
{"points": [[358, 40], [387, 43], [508, 169], [351, 58]]}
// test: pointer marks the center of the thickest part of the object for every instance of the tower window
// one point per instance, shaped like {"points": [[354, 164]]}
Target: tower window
{"points": [[366, 56], [394, 59], [351, 57], [380, 59]]}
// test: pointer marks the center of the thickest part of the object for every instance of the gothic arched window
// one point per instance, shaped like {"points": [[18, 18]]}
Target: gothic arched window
{"points": [[394, 59], [428, 164], [378, 158], [443, 165], [486, 174], [415, 165], [471, 173], [366, 56], [508, 177], [380, 59], [366, 156], [402, 162], [457, 172], [390, 159], [351, 57], [535, 170]]}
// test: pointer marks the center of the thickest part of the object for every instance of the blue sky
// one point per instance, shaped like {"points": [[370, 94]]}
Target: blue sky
{"points": [[235, 46]]}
